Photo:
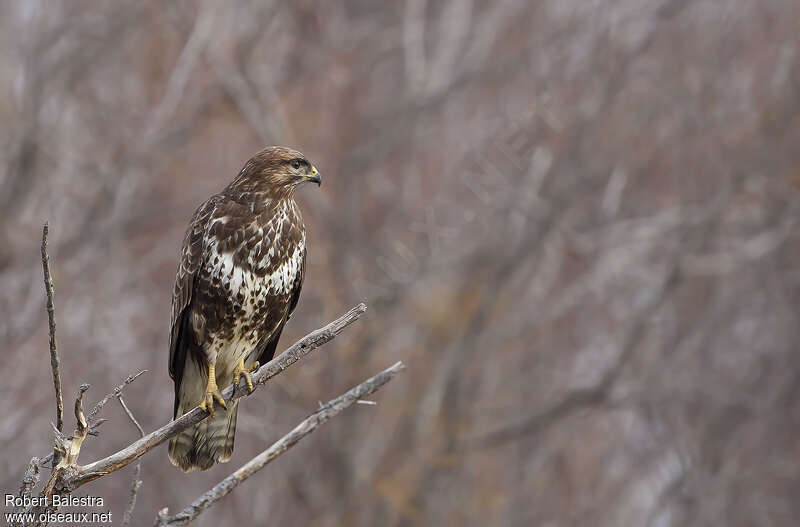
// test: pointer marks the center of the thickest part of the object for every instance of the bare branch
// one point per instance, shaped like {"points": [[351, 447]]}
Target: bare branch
{"points": [[84, 474], [135, 486], [117, 392], [29, 481], [91, 417], [137, 482], [55, 363], [130, 415], [68, 448], [308, 425]]}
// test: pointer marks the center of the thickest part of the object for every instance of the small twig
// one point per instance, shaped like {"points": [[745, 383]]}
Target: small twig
{"points": [[137, 482], [308, 425], [130, 415], [117, 392], [135, 485], [91, 417], [55, 363]]}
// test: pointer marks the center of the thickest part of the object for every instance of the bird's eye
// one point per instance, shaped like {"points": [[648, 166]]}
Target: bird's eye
{"points": [[295, 164]]}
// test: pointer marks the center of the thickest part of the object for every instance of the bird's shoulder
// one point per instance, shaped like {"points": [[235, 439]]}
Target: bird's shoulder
{"points": [[255, 236]]}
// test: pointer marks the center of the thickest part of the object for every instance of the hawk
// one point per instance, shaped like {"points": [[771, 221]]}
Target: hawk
{"points": [[238, 282]]}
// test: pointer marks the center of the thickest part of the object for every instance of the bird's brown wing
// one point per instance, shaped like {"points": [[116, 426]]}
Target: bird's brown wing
{"points": [[191, 260], [266, 350], [298, 285]]}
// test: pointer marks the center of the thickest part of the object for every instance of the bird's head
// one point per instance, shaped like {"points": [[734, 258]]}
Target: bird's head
{"points": [[276, 171]]}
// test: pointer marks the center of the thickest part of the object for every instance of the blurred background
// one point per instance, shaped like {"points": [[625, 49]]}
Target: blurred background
{"points": [[576, 222]]}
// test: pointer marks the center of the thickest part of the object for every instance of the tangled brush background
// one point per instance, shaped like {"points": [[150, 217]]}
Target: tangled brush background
{"points": [[576, 222]]}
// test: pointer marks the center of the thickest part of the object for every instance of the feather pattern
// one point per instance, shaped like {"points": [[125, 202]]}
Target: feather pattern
{"points": [[239, 278]]}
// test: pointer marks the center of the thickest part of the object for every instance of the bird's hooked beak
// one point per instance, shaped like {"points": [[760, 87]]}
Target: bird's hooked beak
{"points": [[315, 176]]}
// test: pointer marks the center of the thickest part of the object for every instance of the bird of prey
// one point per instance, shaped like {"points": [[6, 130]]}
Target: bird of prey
{"points": [[238, 282]]}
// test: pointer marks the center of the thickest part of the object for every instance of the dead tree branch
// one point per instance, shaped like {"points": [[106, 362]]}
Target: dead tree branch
{"points": [[67, 450], [308, 425], [55, 363], [70, 480], [29, 480], [130, 415], [91, 417], [137, 482], [117, 392], [134, 492]]}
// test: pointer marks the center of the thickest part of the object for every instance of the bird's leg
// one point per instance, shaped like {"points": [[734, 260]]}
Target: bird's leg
{"points": [[212, 393], [240, 371]]}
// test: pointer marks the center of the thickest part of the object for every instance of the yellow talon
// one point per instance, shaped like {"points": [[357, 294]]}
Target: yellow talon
{"points": [[239, 371], [212, 394]]}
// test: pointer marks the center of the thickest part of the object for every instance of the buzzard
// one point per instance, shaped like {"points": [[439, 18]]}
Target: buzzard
{"points": [[238, 282]]}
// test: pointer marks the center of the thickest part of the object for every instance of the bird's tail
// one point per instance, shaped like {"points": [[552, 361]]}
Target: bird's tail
{"points": [[207, 443]]}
